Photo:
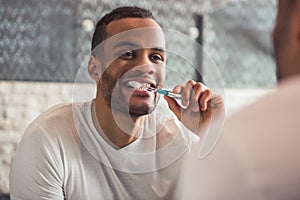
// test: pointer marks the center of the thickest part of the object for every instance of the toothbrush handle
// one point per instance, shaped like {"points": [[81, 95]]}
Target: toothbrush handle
{"points": [[174, 96], [168, 93]]}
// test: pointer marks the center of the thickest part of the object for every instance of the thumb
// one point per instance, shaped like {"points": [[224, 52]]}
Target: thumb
{"points": [[174, 106]]}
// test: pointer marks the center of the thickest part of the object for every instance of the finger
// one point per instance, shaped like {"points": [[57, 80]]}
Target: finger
{"points": [[178, 89], [174, 106], [195, 96], [205, 97], [186, 93]]}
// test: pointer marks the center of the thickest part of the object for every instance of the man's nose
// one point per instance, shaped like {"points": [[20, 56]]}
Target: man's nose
{"points": [[144, 65]]}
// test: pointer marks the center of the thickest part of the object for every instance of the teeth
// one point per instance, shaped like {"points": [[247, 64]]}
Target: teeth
{"points": [[137, 85], [133, 84], [145, 87]]}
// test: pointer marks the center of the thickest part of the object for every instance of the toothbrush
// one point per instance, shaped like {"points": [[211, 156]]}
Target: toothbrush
{"points": [[165, 92]]}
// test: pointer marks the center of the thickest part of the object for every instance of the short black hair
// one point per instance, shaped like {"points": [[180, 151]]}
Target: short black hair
{"points": [[116, 14]]}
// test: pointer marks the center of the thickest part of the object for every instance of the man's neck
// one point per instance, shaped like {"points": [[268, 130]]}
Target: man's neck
{"points": [[119, 129]]}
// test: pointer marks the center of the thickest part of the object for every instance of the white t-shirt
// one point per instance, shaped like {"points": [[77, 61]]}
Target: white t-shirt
{"points": [[63, 156]]}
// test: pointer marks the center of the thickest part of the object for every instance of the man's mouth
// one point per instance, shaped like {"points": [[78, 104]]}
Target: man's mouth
{"points": [[140, 85]]}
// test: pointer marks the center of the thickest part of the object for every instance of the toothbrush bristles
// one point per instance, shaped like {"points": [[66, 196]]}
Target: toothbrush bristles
{"points": [[138, 85]]}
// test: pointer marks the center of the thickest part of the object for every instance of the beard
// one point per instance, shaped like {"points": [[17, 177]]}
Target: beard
{"points": [[140, 110], [116, 100]]}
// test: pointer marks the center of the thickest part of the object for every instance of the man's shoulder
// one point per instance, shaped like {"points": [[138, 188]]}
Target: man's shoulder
{"points": [[287, 93], [57, 121], [60, 115], [269, 115], [290, 86], [58, 111]]}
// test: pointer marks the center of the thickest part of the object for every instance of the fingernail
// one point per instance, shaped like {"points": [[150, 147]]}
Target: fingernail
{"points": [[184, 103], [196, 109]]}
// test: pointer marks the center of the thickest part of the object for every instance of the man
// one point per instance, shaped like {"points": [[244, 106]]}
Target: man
{"points": [[258, 155], [119, 145]]}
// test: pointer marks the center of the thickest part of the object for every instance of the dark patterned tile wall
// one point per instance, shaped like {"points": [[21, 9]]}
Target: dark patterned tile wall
{"points": [[47, 40]]}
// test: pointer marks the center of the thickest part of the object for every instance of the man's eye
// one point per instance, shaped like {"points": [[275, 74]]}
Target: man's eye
{"points": [[157, 57], [127, 55]]}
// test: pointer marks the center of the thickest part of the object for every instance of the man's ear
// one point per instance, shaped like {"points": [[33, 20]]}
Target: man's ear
{"points": [[93, 69]]}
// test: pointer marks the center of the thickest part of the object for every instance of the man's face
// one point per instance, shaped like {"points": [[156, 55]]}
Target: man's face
{"points": [[285, 41], [134, 55]]}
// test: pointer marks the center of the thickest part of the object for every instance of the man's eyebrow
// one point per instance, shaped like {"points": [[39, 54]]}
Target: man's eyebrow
{"points": [[126, 44], [133, 46], [160, 49]]}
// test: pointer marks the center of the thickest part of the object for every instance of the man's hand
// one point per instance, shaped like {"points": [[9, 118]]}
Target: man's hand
{"points": [[198, 106]]}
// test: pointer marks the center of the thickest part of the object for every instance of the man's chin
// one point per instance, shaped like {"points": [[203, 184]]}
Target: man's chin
{"points": [[140, 110], [133, 110]]}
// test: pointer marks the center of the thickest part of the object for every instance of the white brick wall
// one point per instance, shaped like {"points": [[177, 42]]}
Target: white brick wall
{"points": [[21, 102]]}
